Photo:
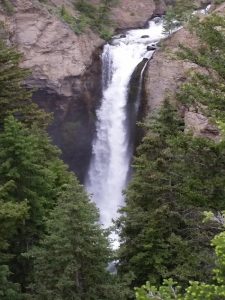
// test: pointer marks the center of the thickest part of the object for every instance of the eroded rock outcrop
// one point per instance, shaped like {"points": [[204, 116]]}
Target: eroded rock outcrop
{"points": [[164, 75], [51, 49], [66, 73], [199, 125], [132, 13]]}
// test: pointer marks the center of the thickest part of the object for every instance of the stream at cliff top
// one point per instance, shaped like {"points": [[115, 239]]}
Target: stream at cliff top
{"points": [[112, 150]]}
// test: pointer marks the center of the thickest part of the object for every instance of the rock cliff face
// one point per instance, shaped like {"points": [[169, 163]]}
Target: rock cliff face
{"points": [[200, 125], [132, 13], [164, 76], [165, 73], [51, 49], [66, 74]]}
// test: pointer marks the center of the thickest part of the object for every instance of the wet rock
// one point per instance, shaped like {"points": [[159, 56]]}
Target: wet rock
{"points": [[114, 42], [73, 127], [151, 48], [159, 11], [157, 20], [122, 36], [145, 36]]}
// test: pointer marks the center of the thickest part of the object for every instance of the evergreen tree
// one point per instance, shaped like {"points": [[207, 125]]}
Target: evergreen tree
{"points": [[31, 174], [196, 290], [11, 215], [71, 260], [161, 229], [41, 199], [177, 177], [8, 289], [15, 99]]}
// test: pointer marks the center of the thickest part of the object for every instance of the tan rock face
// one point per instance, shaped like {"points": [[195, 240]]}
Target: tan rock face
{"points": [[53, 52], [199, 125], [220, 9], [132, 13], [164, 76], [164, 73], [51, 49]]}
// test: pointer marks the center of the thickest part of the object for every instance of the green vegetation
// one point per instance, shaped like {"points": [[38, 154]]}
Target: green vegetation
{"points": [[15, 99], [205, 91], [7, 6], [217, 2], [75, 241], [176, 178], [197, 290], [78, 25], [161, 229], [96, 17], [51, 244], [177, 13]]}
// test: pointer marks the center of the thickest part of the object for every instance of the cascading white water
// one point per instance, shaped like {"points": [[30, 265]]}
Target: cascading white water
{"points": [[111, 157]]}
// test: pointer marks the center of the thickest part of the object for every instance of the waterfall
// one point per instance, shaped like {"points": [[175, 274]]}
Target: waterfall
{"points": [[112, 150]]}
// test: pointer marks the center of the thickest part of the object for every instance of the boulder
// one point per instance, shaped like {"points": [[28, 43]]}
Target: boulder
{"points": [[199, 125], [151, 48], [157, 20]]}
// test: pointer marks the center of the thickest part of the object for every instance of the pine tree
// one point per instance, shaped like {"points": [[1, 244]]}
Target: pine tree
{"points": [[8, 289], [177, 177], [161, 229], [196, 290], [30, 173], [41, 199], [11, 216], [71, 260], [15, 98]]}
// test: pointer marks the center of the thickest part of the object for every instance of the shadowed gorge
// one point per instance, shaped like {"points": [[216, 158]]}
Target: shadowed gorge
{"points": [[73, 126]]}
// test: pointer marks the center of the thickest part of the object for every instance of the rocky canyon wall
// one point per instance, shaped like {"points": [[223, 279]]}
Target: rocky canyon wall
{"points": [[66, 67], [164, 75]]}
